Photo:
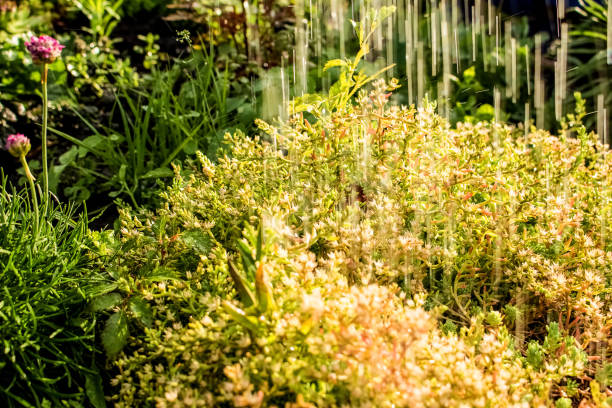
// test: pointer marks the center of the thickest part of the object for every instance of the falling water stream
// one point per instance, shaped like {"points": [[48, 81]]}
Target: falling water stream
{"points": [[433, 42]]}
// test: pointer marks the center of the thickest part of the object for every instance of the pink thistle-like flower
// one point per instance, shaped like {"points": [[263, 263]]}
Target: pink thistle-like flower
{"points": [[44, 49], [18, 145]]}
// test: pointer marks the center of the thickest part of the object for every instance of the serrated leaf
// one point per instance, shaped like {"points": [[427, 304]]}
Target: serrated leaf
{"points": [[115, 334], [334, 63], [385, 12], [105, 301], [198, 240], [140, 309], [306, 103]]}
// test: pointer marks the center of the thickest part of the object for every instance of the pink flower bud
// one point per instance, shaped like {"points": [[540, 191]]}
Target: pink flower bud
{"points": [[18, 145], [8, 7], [44, 49]]}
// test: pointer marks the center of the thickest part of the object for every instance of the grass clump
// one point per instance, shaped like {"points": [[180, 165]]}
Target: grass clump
{"points": [[46, 357]]}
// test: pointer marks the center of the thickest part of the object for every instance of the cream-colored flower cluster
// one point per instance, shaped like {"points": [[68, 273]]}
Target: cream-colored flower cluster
{"points": [[505, 239]]}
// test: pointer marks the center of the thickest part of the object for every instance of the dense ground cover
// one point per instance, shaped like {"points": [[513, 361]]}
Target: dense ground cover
{"points": [[367, 219], [357, 252]]}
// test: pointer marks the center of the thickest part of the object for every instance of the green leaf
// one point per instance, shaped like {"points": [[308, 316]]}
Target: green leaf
{"points": [[384, 13], [55, 173], [563, 403], [162, 273], [604, 375], [535, 356], [102, 289], [122, 172], [334, 63], [358, 27], [265, 299], [306, 103], [190, 147], [140, 309], [552, 341], [105, 302], [247, 259], [591, 34], [307, 325], [240, 316], [485, 112], [363, 51], [197, 240], [341, 87], [92, 142], [115, 334], [234, 103], [161, 172], [242, 286], [80, 143], [469, 74], [69, 156], [260, 240], [94, 390]]}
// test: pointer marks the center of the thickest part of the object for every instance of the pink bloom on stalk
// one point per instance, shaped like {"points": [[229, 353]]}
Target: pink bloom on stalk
{"points": [[44, 49], [18, 145]]}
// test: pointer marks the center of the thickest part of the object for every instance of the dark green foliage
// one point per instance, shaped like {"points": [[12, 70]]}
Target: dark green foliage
{"points": [[181, 110], [46, 348], [133, 7], [589, 55]]}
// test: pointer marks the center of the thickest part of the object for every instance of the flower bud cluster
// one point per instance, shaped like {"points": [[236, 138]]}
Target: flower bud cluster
{"points": [[18, 145], [44, 49]]}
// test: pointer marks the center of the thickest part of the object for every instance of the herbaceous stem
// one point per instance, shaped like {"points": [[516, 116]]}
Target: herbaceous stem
{"points": [[31, 179], [44, 135]]}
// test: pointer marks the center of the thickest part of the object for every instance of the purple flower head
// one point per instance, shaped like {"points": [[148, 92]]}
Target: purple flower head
{"points": [[44, 49], [18, 145]]}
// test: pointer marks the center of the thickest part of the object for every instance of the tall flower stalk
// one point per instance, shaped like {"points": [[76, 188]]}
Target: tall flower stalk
{"points": [[44, 51], [45, 114], [19, 146]]}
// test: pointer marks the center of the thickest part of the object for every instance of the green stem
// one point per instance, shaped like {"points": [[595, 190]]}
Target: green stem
{"points": [[31, 179], [44, 134]]}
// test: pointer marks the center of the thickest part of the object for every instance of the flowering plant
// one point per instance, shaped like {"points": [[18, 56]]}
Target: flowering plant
{"points": [[18, 145], [500, 240], [410, 264], [44, 49]]}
